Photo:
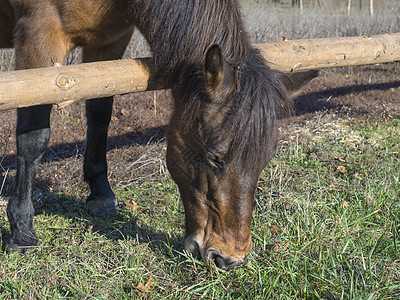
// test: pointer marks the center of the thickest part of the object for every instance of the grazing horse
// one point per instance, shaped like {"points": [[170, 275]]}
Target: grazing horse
{"points": [[223, 129]]}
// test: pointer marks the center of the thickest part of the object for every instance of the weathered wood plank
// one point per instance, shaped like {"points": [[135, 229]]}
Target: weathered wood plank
{"points": [[332, 52], [62, 85]]}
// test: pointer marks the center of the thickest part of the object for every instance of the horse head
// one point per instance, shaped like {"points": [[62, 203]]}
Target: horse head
{"points": [[217, 157]]}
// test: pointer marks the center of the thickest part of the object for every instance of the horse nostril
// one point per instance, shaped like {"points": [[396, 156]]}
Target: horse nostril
{"points": [[220, 262], [211, 254], [225, 263]]}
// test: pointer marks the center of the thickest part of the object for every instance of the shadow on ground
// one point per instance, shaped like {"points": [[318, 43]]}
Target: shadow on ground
{"points": [[321, 100], [122, 226], [147, 137]]}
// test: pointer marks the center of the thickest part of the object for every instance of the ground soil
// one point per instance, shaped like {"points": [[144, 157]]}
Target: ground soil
{"points": [[136, 146]]}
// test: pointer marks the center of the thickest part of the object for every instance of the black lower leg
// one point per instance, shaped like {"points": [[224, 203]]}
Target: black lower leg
{"points": [[101, 201], [31, 146], [33, 133]]}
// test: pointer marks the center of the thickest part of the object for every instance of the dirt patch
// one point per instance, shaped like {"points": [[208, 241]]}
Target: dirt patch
{"points": [[351, 93], [360, 92], [136, 146]]}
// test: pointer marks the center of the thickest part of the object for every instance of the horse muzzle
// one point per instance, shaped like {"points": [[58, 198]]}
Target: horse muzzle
{"points": [[211, 254]]}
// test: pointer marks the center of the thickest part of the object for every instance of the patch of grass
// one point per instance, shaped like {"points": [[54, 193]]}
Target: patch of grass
{"points": [[326, 225], [331, 203]]}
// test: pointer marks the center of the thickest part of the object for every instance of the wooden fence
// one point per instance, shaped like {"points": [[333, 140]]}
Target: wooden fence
{"points": [[62, 85]]}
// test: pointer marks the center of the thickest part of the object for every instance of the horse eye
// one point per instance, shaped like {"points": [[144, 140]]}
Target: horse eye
{"points": [[215, 160]]}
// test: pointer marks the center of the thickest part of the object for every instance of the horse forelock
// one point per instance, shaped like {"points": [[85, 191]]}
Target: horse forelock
{"points": [[261, 99]]}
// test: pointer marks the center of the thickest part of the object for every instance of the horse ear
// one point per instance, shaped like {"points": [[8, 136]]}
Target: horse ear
{"points": [[294, 81], [218, 74]]}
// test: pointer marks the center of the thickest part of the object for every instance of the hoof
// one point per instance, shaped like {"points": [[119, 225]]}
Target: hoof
{"points": [[102, 207], [13, 248]]}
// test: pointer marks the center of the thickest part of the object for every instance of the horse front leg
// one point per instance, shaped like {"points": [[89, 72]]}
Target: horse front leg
{"points": [[33, 134], [101, 201], [35, 47]]}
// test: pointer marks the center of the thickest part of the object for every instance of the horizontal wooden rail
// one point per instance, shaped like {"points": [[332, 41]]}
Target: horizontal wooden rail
{"points": [[62, 85], [332, 52]]}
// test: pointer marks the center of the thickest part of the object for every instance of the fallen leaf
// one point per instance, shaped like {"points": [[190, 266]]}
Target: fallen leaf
{"points": [[89, 227], [125, 112], [11, 152], [274, 229], [339, 159], [132, 204], [345, 204], [332, 187], [280, 247], [143, 288], [342, 169]]}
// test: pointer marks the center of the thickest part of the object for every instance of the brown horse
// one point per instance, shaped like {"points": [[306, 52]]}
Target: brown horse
{"points": [[223, 129]]}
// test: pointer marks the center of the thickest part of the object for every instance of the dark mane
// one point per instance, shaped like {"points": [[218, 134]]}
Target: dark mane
{"points": [[180, 33], [262, 99]]}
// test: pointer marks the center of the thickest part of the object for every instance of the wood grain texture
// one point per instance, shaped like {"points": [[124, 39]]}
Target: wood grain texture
{"points": [[333, 52]]}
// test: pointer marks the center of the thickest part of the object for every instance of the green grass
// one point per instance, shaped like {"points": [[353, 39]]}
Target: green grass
{"points": [[326, 225]]}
